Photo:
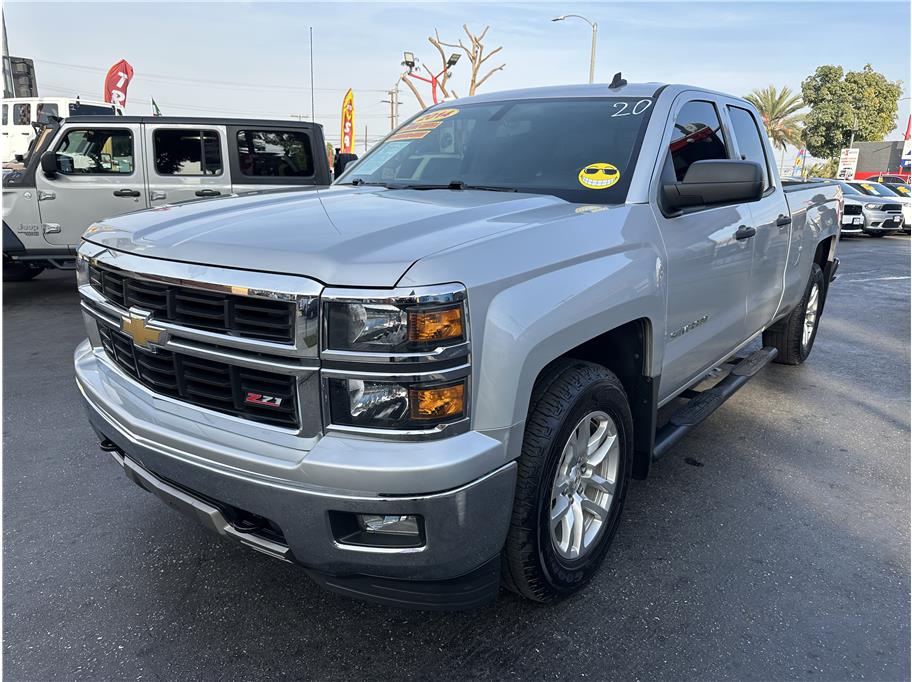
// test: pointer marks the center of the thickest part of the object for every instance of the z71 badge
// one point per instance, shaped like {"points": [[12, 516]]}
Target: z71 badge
{"points": [[261, 399]]}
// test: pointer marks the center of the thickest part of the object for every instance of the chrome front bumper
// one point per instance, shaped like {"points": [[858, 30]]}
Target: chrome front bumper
{"points": [[193, 463]]}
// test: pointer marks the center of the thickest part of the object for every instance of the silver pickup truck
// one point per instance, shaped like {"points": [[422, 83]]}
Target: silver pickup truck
{"points": [[439, 374]]}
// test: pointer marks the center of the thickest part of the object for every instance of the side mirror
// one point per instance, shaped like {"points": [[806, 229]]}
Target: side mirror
{"points": [[717, 181], [49, 163], [342, 160]]}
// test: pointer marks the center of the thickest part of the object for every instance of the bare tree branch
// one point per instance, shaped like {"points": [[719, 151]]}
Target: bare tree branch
{"points": [[414, 91], [488, 75], [490, 54]]}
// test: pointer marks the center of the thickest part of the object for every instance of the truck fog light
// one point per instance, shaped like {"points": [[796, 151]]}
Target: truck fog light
{"points": [[389, 524]]}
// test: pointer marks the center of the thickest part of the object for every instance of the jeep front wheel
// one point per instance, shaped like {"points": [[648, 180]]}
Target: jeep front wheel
{"points": [[571, 481]]}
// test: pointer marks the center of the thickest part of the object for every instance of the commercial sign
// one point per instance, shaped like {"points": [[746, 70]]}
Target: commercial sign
{"points": [[116, 83], [848, 162], [798, 167], [348, 123], [905, 161]]}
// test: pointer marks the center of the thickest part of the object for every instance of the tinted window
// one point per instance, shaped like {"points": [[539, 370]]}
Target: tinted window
{"points": [[697, 136], [874, 189], [45, 109], [187, 152], [79, 109], [750, 144], [267, 153], [5, 114], [96, 152], [22, 114], [582, 150]]}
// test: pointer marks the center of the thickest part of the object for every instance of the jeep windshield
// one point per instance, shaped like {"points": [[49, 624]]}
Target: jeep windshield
{"points": [[580, 149]]}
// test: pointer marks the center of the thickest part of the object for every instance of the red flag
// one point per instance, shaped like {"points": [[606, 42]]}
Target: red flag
{"points": [[116, 82], [908, 129]]}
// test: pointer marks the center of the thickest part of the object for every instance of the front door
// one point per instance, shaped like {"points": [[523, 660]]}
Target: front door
{"points": [[185, 163], [708, 267], [770, 216], [99, 176]]}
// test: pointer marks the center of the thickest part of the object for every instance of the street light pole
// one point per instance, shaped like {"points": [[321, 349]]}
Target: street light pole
{"points": [[594, 26]]}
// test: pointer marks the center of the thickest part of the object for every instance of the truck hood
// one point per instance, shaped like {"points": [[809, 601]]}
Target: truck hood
{"points": [[343, 236]]}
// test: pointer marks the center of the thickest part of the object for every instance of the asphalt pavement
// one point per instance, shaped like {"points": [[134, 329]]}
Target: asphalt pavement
{"points": [[772, 543]]}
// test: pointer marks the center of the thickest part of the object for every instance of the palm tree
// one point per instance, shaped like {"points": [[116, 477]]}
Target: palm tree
{"points": [[778, 109]]}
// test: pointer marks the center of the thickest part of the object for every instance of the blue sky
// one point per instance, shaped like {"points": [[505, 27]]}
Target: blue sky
{"points": [[206, 58]]}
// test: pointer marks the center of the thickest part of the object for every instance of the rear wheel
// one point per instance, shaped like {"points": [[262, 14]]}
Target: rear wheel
{"points": [[20, 272], [793, 336], [571, 483]]}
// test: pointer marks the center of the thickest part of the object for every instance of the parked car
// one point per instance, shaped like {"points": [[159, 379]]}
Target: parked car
{"points": [[904, 193], [450, 363], [867, 214], [22, 114], [88, 168], [875, 189]]}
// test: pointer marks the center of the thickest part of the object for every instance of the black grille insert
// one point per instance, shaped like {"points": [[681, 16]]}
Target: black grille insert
{"points": [[242, 316], [852, 209], [890, 208], [243, 392]]}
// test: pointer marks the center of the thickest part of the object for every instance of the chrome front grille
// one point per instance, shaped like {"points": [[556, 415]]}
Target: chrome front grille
{"points": [[242, 344], [215, 385], [195, 307]]}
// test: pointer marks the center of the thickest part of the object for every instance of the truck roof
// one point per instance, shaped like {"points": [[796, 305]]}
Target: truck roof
{"points": [[651, 89], [196, 120]]}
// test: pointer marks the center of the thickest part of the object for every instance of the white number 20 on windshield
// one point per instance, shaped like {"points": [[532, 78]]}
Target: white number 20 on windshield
{"points": [[620, 108]]}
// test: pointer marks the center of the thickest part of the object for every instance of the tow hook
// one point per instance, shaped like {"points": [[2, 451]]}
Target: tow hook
{"points": [[108, 446]]}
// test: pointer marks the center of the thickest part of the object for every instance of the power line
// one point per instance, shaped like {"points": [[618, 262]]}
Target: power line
{"points": [[195, 81]]}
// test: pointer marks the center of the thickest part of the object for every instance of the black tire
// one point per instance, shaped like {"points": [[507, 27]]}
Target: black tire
{"points": [[787, 334], [20, 272], [566, 393]]}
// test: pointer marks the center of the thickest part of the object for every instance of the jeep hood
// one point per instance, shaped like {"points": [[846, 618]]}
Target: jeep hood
{"points": [[344, 236]]}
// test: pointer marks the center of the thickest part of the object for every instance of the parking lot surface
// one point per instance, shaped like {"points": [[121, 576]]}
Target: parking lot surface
{"points": [[772, 543]]}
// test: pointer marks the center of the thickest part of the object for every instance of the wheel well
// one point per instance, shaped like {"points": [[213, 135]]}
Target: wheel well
{"points": [[822, 254], [625, 351]]}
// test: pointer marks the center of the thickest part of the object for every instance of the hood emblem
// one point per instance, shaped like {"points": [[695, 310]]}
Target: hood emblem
{"points": [[145, 335]]}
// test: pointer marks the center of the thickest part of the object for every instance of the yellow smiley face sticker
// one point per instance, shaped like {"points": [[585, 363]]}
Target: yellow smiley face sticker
{"points": [[599, 176]]}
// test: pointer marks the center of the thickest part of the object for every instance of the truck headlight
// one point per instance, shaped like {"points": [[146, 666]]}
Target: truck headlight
{"points": [[872, 206], [395, 405], [396, 323]]}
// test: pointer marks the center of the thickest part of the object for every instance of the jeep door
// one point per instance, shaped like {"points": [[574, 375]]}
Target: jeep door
{"points": [[707, 265], [185, 162], [100, 175]]}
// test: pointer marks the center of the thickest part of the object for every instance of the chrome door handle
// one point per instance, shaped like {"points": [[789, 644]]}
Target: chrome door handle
{"points": [[51, 228], [155, 195], [44, 195]]}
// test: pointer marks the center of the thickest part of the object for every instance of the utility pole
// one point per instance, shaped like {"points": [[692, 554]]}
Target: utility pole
{"points": [[394, 103], [854, 127], [365, 138]]}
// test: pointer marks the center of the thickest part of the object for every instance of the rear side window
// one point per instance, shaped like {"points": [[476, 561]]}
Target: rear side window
{"points": [[750, 144], [697, 136], [96, 152], [187, 152], [270, 153], [46, 110], [5, 114], [22, 114]]}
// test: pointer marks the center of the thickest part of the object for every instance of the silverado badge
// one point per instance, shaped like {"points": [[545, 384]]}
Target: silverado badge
{"points": [[136, 326]]}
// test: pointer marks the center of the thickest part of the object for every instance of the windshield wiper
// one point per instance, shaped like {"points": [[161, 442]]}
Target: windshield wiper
{"points": [[358, 182], [457, 185]]}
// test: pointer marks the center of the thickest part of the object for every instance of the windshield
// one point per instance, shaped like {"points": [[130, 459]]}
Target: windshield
{"points": [[900, 189], [849, 189], [581, 149], [873, 189]]}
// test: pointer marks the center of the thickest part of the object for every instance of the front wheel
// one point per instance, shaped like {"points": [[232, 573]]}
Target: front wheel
{"points": [[572, 479], [793, 336]]}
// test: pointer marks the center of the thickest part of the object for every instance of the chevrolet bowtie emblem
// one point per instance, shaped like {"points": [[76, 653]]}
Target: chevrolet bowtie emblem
{"points": [[144, 334]]}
